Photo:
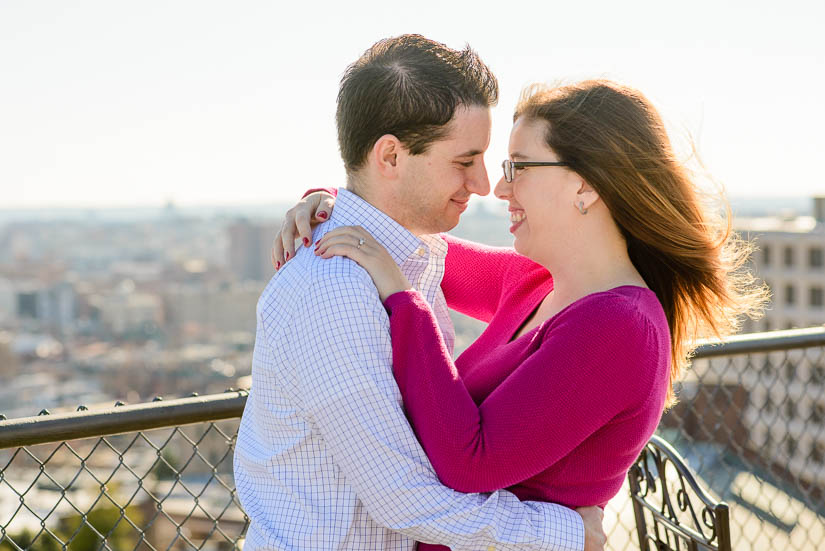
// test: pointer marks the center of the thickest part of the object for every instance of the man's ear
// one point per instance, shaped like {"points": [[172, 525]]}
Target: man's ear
{"points": [[385, 155], [586, 194]]}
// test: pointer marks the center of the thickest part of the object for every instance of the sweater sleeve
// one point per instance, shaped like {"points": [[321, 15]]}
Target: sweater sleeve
{"points": [[544, 409], [476, 276]]}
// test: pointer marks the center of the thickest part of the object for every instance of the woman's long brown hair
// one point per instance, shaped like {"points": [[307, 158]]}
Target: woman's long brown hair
{"points": [[614, 138]]}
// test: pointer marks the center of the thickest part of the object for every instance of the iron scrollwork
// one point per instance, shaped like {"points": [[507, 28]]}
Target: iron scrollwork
{"points": [[670, 505]]}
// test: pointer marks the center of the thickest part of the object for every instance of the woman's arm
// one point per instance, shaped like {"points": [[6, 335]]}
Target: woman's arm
{"points": [[551, 403], [476, 275]]}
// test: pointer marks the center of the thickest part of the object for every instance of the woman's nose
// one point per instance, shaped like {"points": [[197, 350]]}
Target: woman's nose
{"points": [[502, 189]]}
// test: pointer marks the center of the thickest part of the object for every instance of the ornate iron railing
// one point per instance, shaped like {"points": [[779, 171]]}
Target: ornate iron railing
{"points": [[672, 510], [159, 475]]}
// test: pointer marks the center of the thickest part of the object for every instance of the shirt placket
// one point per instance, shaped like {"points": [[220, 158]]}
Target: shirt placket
{"points": [[429, 270]]}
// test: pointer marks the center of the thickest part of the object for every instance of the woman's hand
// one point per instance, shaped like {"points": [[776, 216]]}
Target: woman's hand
{"points": [[300, 219], [356, 243]]}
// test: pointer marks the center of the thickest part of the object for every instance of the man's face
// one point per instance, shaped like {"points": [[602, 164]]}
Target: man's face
{"points": [[436, 186]]}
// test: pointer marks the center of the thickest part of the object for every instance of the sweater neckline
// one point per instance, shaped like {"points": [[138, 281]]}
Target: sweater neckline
{"points": [[542, 292]]}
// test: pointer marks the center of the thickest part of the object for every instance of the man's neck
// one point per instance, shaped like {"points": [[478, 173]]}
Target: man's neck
{"points": [[352, 210], [379, 201]]}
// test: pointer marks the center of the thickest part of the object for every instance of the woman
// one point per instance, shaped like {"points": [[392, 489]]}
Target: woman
{"points": [[616, 270]]}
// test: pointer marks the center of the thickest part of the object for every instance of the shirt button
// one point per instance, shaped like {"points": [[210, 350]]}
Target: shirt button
{"points": [[491, 548], [420, 251]]}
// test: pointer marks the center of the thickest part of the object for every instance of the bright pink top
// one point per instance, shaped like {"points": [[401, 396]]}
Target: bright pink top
{"points": [[558, 414]]}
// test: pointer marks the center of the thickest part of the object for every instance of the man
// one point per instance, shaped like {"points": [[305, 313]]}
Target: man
{"points": [[325, 458]]}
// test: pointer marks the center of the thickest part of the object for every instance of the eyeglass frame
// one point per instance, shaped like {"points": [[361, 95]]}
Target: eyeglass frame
{"points": [[525, 164]]}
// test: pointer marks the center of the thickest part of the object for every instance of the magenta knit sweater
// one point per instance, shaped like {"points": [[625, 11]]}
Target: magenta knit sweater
{"points": [[558, 414]]}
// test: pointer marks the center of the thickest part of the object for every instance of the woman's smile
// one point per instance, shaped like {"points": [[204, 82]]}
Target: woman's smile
{"points": [[517, 216]]}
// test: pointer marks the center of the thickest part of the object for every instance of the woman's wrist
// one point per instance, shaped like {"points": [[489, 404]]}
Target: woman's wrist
{"points": [[399, 297]]}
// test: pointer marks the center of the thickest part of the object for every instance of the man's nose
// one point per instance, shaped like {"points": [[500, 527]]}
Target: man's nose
{"points": [[480, 181]]}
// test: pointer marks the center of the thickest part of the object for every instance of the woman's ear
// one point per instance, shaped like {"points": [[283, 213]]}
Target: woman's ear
{"points": [[384, 156], [586, 196]]}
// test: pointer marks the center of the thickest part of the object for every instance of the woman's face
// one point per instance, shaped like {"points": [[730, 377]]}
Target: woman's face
{"points": [[541, 199]]}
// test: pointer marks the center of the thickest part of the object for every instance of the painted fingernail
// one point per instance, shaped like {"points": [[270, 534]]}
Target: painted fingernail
{"points": [[306, 242], [278, 266], [286, 257], [322, 215]]}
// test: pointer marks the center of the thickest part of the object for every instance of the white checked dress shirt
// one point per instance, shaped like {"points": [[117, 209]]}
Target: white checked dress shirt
{"points": [[325, 457]]}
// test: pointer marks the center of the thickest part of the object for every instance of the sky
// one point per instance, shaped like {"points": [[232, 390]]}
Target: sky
{"points": [[114, 103]]}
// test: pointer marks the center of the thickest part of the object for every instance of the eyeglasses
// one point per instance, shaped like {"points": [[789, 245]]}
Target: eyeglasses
{"points": [[510, 167]]}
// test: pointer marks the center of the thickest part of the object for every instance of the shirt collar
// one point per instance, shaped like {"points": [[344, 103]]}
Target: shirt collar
{"points": [[436, 243], [352, 210]]}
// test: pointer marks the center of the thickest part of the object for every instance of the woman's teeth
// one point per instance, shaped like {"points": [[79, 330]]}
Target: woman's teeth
{"points": [[518, 216]]}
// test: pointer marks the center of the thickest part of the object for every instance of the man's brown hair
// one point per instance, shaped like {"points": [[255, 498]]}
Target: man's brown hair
{"points": [[407, 86]]}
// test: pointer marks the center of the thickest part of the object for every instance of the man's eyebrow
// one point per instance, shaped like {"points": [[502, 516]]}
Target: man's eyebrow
{"points": [[471, 153], [518, 156]]}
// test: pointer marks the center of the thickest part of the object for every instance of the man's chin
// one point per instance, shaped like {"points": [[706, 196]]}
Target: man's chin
{"points": [[446, 224]]}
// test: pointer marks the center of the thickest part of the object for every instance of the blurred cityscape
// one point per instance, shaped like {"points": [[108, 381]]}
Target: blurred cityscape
{"points": [[105, 306], [94, 309], [100, 306]]}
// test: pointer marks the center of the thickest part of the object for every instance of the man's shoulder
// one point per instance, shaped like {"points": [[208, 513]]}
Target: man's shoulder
{"points": [[310, 280]]}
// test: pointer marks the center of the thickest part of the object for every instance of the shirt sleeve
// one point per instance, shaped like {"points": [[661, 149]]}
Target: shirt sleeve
{"points": [[348, 390], [476, 275], [536, 416]]}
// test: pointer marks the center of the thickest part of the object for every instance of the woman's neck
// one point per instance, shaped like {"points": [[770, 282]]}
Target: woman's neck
{"points": [[588, 272], [579, 280]]}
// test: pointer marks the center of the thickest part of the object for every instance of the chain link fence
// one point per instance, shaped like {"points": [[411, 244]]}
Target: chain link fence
{"points": [[78, 484], [164, 489], [751, 424]]}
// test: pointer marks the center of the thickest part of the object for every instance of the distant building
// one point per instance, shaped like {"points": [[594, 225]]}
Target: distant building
{"points": [[791, 260], [50, 304], [127, 312], [771, 405], [8, 306], [250, 246], [203, 310]]}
